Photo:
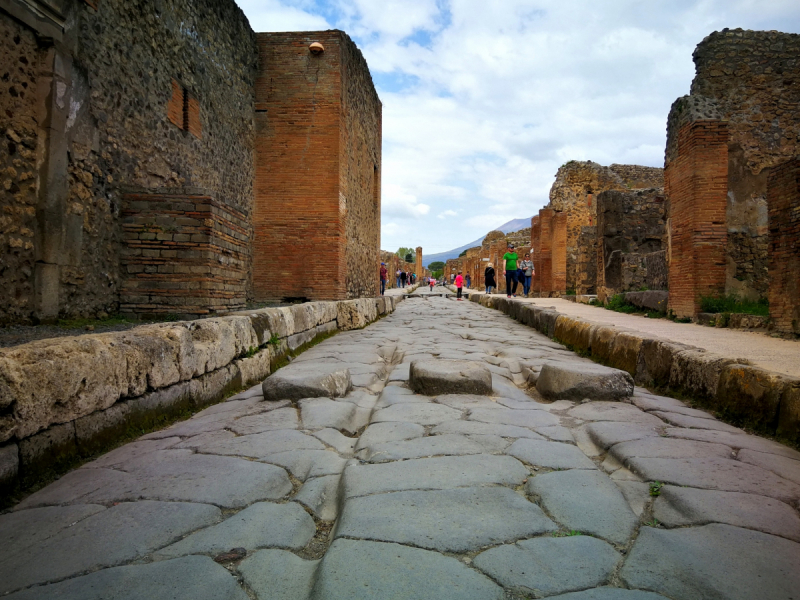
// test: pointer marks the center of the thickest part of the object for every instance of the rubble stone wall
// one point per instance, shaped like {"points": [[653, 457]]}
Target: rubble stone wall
{"points": [[784, 240]]}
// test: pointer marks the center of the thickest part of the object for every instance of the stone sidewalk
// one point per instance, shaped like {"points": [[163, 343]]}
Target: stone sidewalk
{"points": [[772, 354], [379, 492]]}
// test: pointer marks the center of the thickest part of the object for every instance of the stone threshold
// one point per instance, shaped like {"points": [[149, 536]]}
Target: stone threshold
{"points": [[70, 397], [741, 393]]}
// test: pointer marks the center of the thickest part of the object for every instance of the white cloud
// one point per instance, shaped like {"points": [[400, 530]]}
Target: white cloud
{"points": [[447, 213]]}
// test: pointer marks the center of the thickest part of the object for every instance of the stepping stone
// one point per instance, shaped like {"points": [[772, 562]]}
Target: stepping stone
{"points": [[389, 432], [195, 577], [444, 472], [434, 377], [519, 418], [677, 507], [279, 575], [547, 566], [261, 525], [388, 570], [122, 533], [578, 381], [478, 428], [609, 593], [436, 445], [614, 411], [662, 447], [714, 561], [460, 520], [552, 455], [716, 474], [422, 414], [307, 380], [586, 501]]}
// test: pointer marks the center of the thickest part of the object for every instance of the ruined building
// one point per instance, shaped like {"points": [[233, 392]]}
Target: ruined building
{"points": [[155, 154], [731, 175]]}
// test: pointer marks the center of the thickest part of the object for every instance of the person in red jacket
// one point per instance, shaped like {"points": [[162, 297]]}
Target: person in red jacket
{"points": [[384, 274], [459, 283]]}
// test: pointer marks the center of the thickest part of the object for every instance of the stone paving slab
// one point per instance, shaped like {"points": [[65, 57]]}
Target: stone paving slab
{"points": [[550, 455], [279, 575], [436, 445], [422, 414], [389, 432], [547, 565], [609, 593], [521, 418], [459, 520], [479, 428]]}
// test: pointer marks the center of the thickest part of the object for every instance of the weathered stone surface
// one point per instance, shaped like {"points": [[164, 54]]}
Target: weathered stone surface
{"points": [[435, 445], [715, 561], [677, 507], [479, 428], [389, 432], [458, 520], [587, 501], [9, 466], [25, 529], [716, 474], [119, 534], [583, 380], [307, 380], [51, 447], [614, 411], [734, 440], [609, 593], [321, 413], [661, 447], [394, 394], [261, 525], [337, 440], [556, 433], [259, 445], [467, 401], [434, 377], [422, 414], [547, 566], [652, 299], [196, 577], [395, 571], [682, 420], [433, 473], [552, 455], [279, 575], [123, 454], [304, 464], [321, 496], [282, 418], [786, 467], [510, 416]]}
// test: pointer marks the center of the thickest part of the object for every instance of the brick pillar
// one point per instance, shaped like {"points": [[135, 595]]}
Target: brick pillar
{"points": [[418, 265], [536, 252], [545, 251], [558, 236], [696, 182], [783, 200]]}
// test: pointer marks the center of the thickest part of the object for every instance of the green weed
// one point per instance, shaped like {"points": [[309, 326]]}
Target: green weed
{"points": [[655, 488], [733, 304]]}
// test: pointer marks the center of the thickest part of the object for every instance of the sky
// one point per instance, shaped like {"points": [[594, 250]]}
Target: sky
{"points": [[483, 100]]}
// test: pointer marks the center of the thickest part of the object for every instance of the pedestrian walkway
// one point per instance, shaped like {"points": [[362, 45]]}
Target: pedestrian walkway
{"points": [[773, 354], [379, 492]]}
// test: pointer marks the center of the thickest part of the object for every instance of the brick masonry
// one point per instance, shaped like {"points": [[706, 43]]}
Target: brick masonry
{"points": [[318, 157], [184, 254], [783, 194]]}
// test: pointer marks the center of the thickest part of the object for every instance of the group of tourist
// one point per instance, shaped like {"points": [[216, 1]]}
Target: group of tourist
{"points": [[403, 278], [515, 272]]}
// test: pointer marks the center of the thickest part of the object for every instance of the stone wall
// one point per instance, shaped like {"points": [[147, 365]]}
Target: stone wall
{"points": [[746, 80], [784, 241], [69, 397], [104, 99], [631, 230], [318, 160]]}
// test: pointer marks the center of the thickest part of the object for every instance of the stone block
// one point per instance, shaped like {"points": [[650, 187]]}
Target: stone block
{"points": [[97, 430], [434, 377], [696, 372], [255, 368], [9, 468], [656, 361], [750, 396], [602, 342], [307, 380], [625, 352], [789, 412], [652, 299], [167, 401], [212, 386], [350, 315], [546, 322], [298, 339], [46, 450], [577, 381], [573, 332], [304, 316], [281, 322]]}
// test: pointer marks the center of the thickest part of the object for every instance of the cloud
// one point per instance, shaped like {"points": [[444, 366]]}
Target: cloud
{"points": [[447, 213], [397, 203]]}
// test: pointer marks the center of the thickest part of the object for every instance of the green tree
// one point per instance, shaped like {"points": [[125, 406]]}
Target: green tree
{"points": [[404, 252], [436, 274], [464, 253], [436, 266]]}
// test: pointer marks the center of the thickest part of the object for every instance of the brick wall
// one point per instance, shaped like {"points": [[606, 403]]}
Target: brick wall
{"points": [[184, 254], [696, 181], [536, 255], [783, 194], [317, 187]]}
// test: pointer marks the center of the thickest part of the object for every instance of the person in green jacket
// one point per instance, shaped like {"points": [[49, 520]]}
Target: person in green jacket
{"points": [[510, 271]]}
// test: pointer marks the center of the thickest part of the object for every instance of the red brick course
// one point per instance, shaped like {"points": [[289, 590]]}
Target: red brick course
{"points": [[783, 198]]}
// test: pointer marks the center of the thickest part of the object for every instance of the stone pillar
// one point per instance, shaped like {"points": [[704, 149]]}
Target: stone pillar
{"points": [[536, 255], [558, 242], [783, 198], [545, 251], [420, 270]]}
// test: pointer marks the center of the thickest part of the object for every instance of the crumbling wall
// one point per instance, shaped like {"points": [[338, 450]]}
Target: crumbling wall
{"points": [[631, 230]]}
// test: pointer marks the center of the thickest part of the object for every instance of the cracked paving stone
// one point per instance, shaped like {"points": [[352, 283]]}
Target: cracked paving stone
{"points": [[548, 565], [713, 561], [321, 496], [322, 412], [586, 501], [556, 433], [337, 440], [692, 422], [261, 525], [734, 440], [552, 455], [279, 575], [283, 418], [394, 394], [609, 593], [26, 528], [122, 533], [304, 464], [259, 445], [620, 412], [678, 507], [433, 473], [479, 428], [422, 414], [394, 571], [459, 520], [608, 433], [788, 468], [389, 431], [661, 447], [466, 401], [195, 577], [436, 445], [510, 416]]}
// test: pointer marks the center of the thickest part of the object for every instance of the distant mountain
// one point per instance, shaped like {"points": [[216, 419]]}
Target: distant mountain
{"points": [[513, 225]]}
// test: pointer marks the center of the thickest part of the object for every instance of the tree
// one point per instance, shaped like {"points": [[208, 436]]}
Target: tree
{"points": [[436, 274], [404, 252], [436, 266], [464, 253]]}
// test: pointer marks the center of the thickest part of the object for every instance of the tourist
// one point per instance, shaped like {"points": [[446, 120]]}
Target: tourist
{"points": [[459, 282], [488, 278], [527, 272], [384, 273], [397, 275], [403, 278], [510, 271], [432, 282], [467, 281]]}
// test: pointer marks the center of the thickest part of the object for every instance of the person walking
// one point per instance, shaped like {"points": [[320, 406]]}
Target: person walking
{"points": [[397, 275], [432, 282], [459, 282], [467, 280], [488, 278], [510, 271], [384, 274], [527, 272], [403, 278]]}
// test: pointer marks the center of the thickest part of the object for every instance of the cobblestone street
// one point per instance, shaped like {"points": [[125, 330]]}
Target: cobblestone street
{"points": [[376, 491]]}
